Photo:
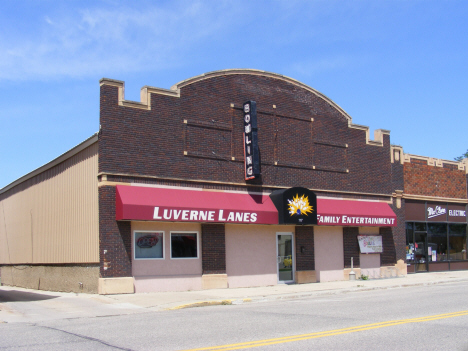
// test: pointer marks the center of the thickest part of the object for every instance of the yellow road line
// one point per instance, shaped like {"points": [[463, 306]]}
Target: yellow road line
{"points": [[266, 342]]}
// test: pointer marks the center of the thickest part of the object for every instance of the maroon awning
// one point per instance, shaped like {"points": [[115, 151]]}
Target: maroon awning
{"points": [[175, 205], [355, 213], [178, 205]]}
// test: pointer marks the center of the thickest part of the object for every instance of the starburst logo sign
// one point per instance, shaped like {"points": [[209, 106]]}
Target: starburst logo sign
{"points": [[295, 205], [299, 206]]}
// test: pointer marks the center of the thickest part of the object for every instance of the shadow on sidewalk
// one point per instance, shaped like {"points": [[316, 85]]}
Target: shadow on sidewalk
{"points": [[22, 296]]}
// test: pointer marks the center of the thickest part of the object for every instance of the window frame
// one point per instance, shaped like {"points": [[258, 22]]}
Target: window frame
{"points": [[149, 258], [197, 233]]}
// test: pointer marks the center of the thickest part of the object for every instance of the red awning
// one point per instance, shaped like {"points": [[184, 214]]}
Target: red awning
{"points": [[175, 205], [355, 213]]}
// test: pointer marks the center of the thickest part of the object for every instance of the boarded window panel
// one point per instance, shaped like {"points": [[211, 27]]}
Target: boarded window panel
{"points": [[329, 156], [215, 142], [294, 142], [266, 137]]}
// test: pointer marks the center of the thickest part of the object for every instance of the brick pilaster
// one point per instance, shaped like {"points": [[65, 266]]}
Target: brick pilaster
{"points": [[213, 249], [305, 257]]}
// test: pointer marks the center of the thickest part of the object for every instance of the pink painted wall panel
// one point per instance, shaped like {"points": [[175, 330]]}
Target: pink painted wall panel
{"points": [[251, 254], [329, 259]]}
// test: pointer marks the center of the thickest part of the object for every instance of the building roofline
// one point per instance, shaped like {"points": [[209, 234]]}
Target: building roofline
{"points": [[174, 91], [257, 72], [63, 157]]}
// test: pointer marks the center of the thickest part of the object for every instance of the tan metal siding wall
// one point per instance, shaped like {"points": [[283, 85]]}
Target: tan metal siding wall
{"points": [[53, 217]]}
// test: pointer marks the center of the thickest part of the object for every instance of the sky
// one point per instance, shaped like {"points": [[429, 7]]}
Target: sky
{"points": [[395, 65]]}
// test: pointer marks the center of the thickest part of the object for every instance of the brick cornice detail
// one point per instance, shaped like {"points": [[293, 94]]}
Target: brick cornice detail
{"points": [[145, 97]]}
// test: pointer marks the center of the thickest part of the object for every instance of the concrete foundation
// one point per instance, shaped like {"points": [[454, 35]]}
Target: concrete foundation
{"points": [[304, 277], [109, 286], [214, 281], [167, 283], [64, 278]]}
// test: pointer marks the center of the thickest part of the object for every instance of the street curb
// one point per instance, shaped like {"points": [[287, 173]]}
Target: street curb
{"points": [[201, 304], [266, 298], [210, 303]]}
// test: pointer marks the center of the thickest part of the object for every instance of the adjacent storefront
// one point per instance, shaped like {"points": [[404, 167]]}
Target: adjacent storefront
{"points": [[435, 236]]}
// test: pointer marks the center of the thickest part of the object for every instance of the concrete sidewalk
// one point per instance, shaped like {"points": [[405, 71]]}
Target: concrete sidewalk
{"points": [[176, 300], [24, 305]]}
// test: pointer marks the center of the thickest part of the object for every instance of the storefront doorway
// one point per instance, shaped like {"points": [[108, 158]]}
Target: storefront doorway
{"points": [[285, 257], [420, 252]]}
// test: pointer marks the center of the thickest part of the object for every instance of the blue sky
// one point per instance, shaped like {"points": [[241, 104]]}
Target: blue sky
{"points": [[397, 65]]}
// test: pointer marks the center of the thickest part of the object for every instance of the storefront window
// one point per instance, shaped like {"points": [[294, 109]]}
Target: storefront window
{"points": [[438, 232], [149, 245], [420, 227], [184, 245], [457, 241], [437, 242]]}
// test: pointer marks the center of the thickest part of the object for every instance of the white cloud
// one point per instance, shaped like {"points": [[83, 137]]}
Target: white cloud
{"points": [[111, 39]]}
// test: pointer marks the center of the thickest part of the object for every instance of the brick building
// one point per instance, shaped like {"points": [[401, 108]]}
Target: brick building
{"points": [[435, 196], [184, 191]]}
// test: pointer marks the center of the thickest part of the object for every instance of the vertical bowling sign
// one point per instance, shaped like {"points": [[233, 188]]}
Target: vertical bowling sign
{"points": [[251, 154]]}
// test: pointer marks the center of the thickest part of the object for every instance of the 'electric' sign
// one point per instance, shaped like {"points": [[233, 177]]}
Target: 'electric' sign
{"points": [[251, 154]]}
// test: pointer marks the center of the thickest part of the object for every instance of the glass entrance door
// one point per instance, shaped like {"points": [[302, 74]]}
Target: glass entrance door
{"points": [[420, 252], [285, 257]]}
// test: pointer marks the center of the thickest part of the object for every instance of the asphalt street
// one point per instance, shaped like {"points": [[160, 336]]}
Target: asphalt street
{"points": [[407, 317]]}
